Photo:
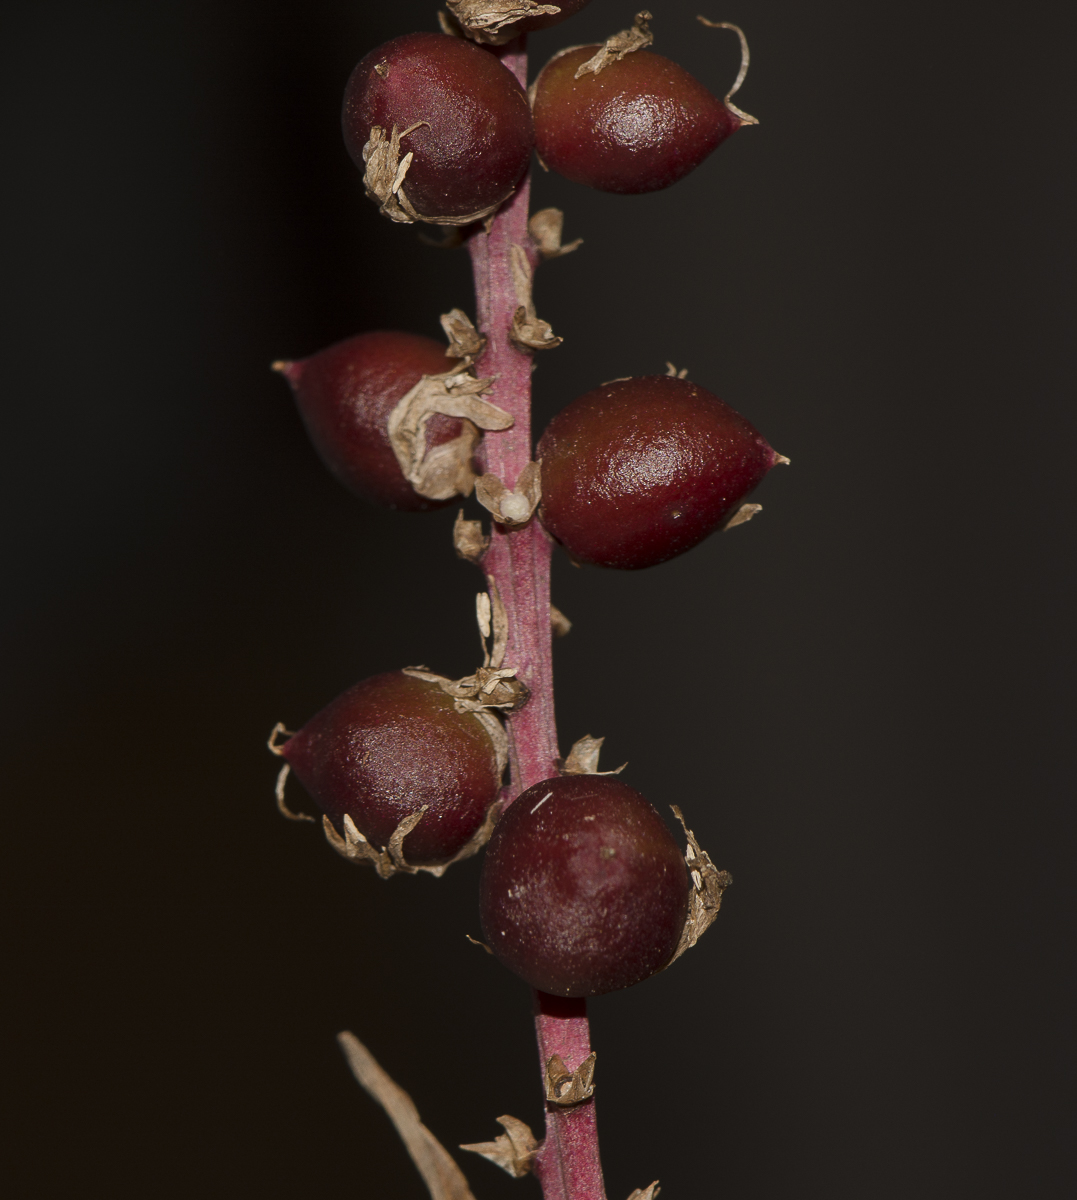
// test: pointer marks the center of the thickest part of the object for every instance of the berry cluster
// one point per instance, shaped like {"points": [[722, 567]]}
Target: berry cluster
{"points": [[584, 889]]}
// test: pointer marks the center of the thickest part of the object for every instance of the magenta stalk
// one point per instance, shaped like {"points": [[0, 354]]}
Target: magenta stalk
{"points": [[518, 564]]}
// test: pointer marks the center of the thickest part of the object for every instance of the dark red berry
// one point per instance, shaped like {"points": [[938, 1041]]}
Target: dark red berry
{"points": [[386, 747], [638, 125], [640, 470], [584, 889], [468, 120], [345, 394], [483, 22]]}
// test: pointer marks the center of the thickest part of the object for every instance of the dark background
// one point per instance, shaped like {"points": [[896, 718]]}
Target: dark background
{"points": [[861, 700]]}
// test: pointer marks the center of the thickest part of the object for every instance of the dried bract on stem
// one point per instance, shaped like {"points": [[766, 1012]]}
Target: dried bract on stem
{"points": [[514, 1150], [583, 758], [528, 329], [468, 539], [465, 341], [546, 228], [511, 508], [559, 623], [564, 1087]]}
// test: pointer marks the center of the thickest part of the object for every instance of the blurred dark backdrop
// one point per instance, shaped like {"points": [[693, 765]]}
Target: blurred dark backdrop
{"points": [[861, 699]]}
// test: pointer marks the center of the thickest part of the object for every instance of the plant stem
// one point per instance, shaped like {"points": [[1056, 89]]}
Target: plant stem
{"points": [[518, 564], [568, 1164]]}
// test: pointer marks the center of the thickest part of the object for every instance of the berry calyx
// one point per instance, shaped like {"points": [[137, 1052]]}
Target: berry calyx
{"points": [[440, 128], [584, 889], [629, 121], [390, 746], [640, 470]]}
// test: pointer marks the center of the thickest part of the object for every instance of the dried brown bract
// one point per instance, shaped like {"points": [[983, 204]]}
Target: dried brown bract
{"points": [[583, 758], [444, 471], [513, 1151], [565, 1088], [528, 329], [511, 508], [468, 539], [546, 228]]}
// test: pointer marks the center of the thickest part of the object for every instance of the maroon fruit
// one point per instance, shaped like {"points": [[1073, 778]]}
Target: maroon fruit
{"points": [[637, 125], [481, 20], [456, 109], [345, 394], [584, 889], [640, 470], [388, 746]]}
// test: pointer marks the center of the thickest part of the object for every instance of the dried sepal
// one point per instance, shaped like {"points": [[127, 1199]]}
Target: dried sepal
{"points": [[443, 1178], [487, 688], [355, 847], [282, 805], [493, 622], [705, 896], [511, 508], [745, 58], [497, 735], [743, 514], [559, 623], [672, 371], [385, 172], [528, 329], [492, 21], [513, 1151], [618, 45], [565, 1088], [282, 778], [468, 539], [464, 339], [444, 471], [546, 228], [583, 758], [647, 1193]]}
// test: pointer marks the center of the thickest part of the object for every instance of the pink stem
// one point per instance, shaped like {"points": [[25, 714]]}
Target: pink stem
{"points": [[518, 563], [567, 1164]]}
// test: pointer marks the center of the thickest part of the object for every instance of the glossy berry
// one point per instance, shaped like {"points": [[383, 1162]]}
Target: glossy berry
{"points": [[638, 125], [386, 747], [584, 889], [476, 138], [345, 394], [640, 470]]}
